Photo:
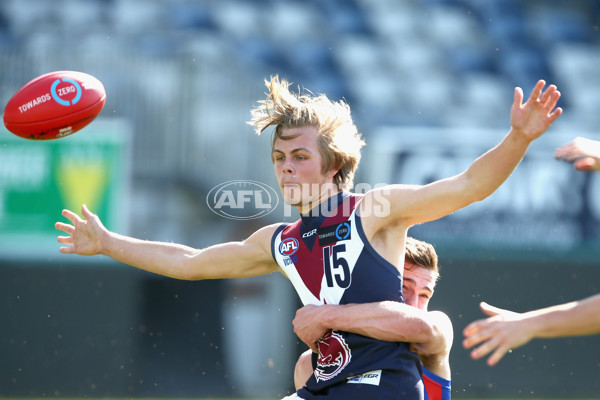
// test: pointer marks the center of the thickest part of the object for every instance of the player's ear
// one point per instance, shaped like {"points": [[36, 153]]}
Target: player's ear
{"points": [[332, 173]]}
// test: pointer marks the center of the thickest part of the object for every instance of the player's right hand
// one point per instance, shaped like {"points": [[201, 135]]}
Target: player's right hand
{"points": [[307, 325]]}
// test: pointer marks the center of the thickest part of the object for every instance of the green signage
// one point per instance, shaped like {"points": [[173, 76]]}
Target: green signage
{"points": [[38, 179]]}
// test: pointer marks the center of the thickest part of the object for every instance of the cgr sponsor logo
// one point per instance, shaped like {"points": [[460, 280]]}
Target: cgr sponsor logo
{"points": [[368, 378], [309, 234]]}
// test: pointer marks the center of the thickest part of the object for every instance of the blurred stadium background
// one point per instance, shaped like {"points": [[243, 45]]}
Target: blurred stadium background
{"points": [[430, 83]]}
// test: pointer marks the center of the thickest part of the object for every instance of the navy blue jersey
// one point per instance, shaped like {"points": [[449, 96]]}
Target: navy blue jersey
{"points": [[329, 260]]}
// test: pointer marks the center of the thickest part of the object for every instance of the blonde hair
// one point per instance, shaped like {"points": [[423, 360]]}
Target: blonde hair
{"points": [[339, 141], [421, 254]]}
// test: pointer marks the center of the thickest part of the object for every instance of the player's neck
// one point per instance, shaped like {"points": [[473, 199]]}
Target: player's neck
{"points": [[325, 202]]}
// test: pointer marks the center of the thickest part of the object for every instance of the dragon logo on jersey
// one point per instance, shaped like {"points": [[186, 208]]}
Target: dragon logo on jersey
{"points": [[334, 355]]}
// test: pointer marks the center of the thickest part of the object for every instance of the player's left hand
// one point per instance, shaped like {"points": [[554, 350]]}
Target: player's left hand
{"points": [[307, 325], [499, 334], [535, 116]]}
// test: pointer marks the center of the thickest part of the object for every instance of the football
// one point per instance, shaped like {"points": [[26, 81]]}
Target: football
{"points": [[54, 105]]}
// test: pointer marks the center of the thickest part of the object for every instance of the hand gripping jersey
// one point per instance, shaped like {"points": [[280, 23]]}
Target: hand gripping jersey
{"points": [[436, 387], [329, 260]]}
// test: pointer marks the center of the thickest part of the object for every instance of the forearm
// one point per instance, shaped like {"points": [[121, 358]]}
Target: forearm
{"points": [[491, 169], [162, 258], [388, 321], [415, 205], [221, 261], [571, 319]]}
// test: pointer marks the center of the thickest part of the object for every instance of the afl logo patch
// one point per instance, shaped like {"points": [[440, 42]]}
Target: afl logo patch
{"points": [[288, 247]]}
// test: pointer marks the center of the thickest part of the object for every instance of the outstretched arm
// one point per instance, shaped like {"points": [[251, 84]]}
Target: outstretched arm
{"points": [[582, 152], [529, 120], [88, 236], [506, 330]]}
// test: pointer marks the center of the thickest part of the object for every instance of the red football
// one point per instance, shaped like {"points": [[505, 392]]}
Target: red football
{"points": [[54, 105]]}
